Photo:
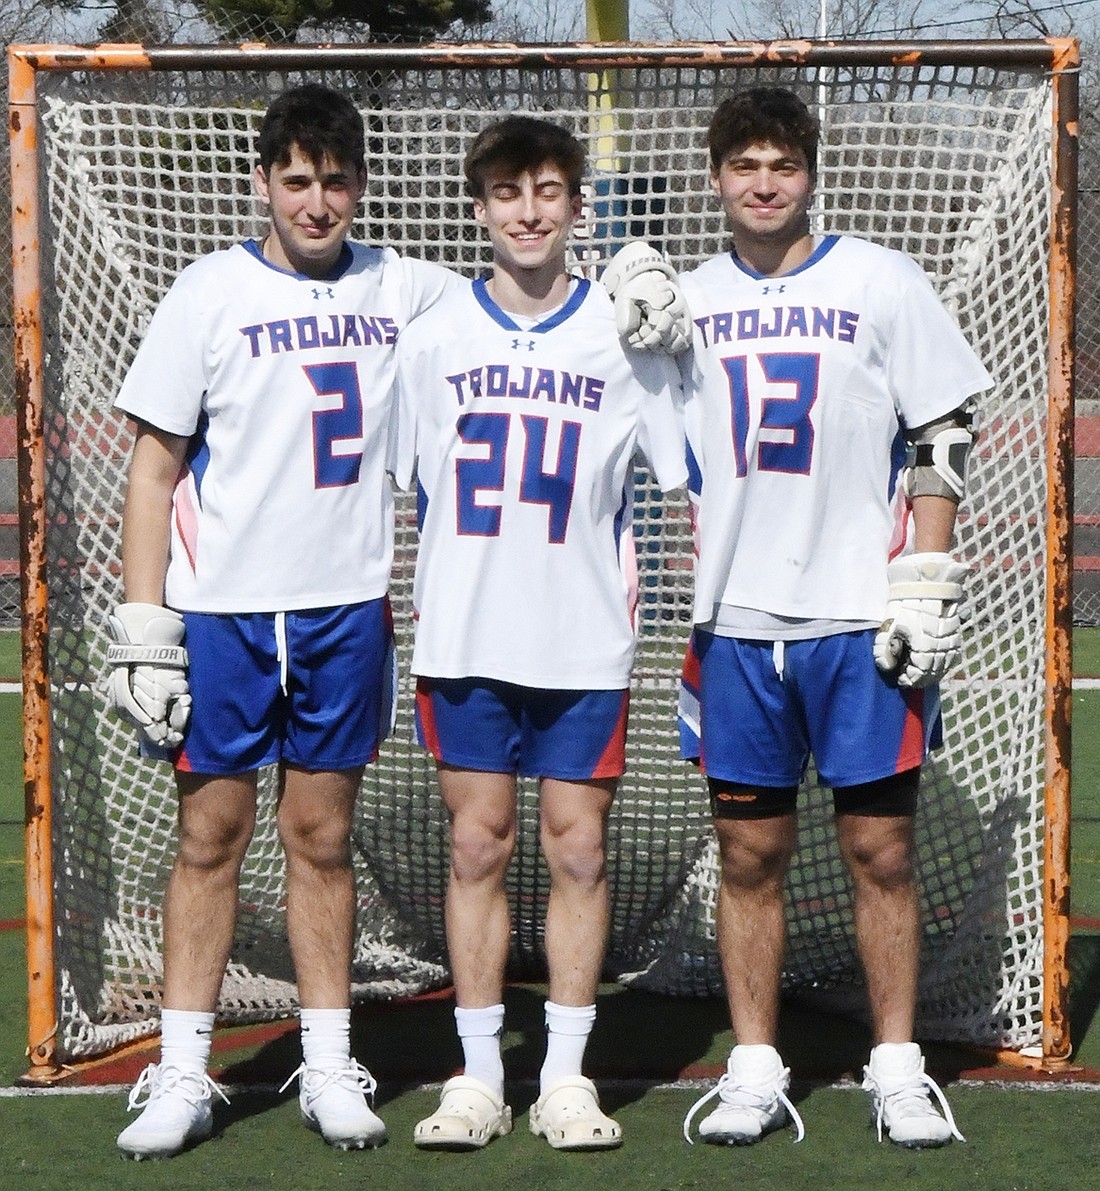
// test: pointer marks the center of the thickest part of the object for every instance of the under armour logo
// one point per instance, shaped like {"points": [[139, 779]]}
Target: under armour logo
{"points": [[773, 289], [326, 292], [520, 343]]}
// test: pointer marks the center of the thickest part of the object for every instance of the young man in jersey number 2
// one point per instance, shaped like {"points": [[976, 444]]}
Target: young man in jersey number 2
{"points": [[522, 415], [815, 359], [259, 524]]}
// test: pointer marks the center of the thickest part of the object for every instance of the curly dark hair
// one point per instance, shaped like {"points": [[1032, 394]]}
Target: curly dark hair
{"points": [[771, 115]]}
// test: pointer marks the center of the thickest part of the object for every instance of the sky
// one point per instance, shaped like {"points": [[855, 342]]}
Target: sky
{"points": [[544, 20], [714, 18]]}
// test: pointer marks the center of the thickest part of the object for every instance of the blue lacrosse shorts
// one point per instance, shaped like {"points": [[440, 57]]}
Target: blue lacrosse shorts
{"points": [[313, 688], [753, 712], [498, 727]]}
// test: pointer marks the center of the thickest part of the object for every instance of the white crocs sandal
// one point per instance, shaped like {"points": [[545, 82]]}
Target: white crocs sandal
{"points": [[469, 1116], [568, 1115]]}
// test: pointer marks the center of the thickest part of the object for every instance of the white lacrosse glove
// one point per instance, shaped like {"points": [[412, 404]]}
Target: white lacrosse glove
{"points": [[650, 309], [148, 684], [921, 637]]}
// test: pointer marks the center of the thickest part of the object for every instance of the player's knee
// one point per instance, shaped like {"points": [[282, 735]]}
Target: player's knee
{"points": [[480, 849], [577, 856], [575, 847], [875, 829], [892, 867], [317, 844], [210, 845], [886, 863], [746, 870], [755, 854]]}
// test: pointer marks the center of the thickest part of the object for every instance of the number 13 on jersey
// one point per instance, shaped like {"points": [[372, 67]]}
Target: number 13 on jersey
{"points": [[786, 437]]}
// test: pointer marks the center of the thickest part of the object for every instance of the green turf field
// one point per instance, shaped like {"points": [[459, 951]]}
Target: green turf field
{"points": [[1017, 1139]]}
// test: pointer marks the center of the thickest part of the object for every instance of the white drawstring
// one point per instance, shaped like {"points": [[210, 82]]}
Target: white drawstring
{"points": [[281, 651]]}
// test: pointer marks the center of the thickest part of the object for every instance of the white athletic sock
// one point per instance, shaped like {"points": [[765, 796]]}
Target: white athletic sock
{"points": [[567, 1030], [480, 1031], [326, 1038], [185, 1038]]}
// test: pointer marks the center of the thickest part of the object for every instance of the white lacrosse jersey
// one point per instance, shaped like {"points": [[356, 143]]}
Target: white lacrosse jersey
{"points": [[524, 443], [285, 386], [798, 387]]}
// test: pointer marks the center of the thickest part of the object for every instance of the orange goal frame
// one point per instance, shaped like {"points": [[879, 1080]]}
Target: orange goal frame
{"points": [[1058, 56]]}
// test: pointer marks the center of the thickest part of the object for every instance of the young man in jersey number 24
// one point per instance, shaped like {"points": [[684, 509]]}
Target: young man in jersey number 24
{"points": [[820, 628], [522, 415], [259, 524]]}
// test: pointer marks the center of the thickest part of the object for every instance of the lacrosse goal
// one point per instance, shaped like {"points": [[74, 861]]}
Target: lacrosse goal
{"points": [[130, 162]]}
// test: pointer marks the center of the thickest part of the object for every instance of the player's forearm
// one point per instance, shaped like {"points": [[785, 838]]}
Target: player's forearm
{"points": [[145, 541], [933, 524], [146, 518]]}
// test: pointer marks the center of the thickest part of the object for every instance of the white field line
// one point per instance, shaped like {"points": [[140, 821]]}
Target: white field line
{"points": [[680, 1085]]}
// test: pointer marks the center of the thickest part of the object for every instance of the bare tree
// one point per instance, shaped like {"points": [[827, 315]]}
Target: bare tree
{"points": [[269, 20], [83, 21], [1013, 18], [284, 20], [28, 21], [534, 21], [755, 20]]}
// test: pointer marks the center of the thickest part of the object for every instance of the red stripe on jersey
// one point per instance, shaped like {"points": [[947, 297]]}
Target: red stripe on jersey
{"points": [[689, 672], [187, 523], [899, 535], [628, 564]]}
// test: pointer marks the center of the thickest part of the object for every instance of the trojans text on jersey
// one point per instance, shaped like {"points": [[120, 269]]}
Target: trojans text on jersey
{"points": [[526, 382], [778, 322], [312, 331]]}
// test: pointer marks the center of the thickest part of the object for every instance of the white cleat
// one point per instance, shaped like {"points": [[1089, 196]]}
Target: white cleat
{"points": [[469, 1116], [568, 1115], [901, 1098], [175, 1113], [337, 1104], [752, 1098]]}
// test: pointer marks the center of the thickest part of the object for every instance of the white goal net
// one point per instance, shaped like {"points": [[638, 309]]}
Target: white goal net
{"points": [[142, 171]]}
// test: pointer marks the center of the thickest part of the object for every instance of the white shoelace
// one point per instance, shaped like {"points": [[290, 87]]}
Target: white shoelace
{"points": [[726, 1089], [353, 1076], [914, 1090], [157, 1080]]}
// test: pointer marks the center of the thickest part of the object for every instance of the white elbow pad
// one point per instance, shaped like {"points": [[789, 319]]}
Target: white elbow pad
{"points": [[938, 454]]}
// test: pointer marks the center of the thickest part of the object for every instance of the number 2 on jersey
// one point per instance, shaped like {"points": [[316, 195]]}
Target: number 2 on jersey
{"points": [[789, 415], [538, 486], [341, 424]]}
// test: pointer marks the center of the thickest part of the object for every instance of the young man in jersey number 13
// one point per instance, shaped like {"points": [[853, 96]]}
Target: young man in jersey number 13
{"points": [[521, 415], [827, 604]]}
